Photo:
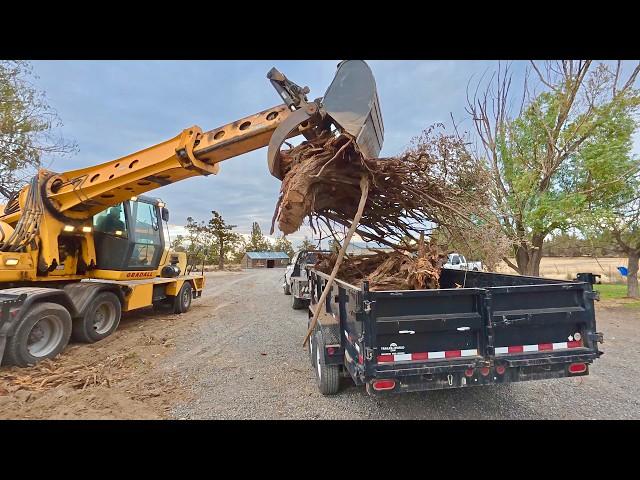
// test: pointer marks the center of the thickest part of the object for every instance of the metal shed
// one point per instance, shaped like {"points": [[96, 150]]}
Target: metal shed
{"points": [[265, 260]]}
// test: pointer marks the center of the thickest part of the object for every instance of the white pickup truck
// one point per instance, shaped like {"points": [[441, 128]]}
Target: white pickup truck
{"points": [[457, 261], [296, 281]]}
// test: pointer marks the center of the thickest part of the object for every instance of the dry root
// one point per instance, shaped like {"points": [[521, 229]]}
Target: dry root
{"points": [[435, 184], [389, 270]]}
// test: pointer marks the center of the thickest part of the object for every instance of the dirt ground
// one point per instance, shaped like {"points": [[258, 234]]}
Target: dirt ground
{"points": [[237, 354], [117, 378]]}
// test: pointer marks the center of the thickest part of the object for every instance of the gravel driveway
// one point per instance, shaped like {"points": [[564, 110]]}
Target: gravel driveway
{"points": [[244, 360]]}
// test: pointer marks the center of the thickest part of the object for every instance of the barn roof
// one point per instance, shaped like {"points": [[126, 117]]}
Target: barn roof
{"points": [[267, 255]]}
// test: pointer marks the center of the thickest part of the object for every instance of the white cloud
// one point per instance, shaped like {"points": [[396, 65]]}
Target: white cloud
{"points": [[115, 108]]}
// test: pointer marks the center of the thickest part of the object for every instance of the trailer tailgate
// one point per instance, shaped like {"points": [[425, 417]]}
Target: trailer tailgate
{"points": [[553, 321], [428, 326]]}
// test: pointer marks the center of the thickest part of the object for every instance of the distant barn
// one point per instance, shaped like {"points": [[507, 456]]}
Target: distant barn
{"points": [[265, 260]]}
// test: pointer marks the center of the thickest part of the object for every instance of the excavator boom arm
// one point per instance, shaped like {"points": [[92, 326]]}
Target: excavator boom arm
{"points": [[80, 194]]}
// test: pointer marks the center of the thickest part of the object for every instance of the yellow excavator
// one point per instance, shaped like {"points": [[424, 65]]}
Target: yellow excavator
{"points": [[79, 248]]}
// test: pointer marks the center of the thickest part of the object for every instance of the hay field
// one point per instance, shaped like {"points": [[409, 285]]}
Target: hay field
{"points": [[566, 268]]}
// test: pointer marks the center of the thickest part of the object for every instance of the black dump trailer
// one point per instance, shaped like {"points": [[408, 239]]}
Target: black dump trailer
{"points": [[477, 329]]}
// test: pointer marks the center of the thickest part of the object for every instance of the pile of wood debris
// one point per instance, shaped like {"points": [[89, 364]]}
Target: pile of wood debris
{"points": [[436, 182], [49, 374], [393, 270]]}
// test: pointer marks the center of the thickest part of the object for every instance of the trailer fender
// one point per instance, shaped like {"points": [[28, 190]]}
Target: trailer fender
{"points": [[82, 293], [174, 288], [33, 295]]}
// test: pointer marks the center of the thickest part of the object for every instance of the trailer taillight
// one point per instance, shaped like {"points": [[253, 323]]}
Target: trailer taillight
{"points": [[577, 368], [485, 371], [500, 369], [384, 385], [468, 372], [331, 350]]}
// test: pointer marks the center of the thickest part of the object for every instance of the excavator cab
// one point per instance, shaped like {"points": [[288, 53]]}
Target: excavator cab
{"points": [[129, 236]]}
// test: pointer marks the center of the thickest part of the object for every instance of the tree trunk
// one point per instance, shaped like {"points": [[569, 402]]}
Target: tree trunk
{"points": [[528, 258], [221, 256], [632, 278]]}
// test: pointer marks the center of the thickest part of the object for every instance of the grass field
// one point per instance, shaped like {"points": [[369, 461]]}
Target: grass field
{"points": [[616, 294], [613, 290], [566, 268]]}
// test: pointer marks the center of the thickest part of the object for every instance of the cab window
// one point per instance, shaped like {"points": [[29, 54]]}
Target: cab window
{"points": [[112, 221], [146, 234]]}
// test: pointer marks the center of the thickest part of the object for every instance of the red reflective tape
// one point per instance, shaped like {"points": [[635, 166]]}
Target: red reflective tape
{"points": [[516, 349], [420, 356], [452, 353], [385, 358], [545, 346], [360, 359], [574, 344]]}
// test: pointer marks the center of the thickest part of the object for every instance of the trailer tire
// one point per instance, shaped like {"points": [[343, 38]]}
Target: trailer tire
{"points": [[182, 302], [100, 319], [29, 345], [327, 376], [310, 350]]}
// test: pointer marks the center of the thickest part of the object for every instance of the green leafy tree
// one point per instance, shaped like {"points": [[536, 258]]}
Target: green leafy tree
{"points": [[226, 240], [564, 149], [306, 244], [617, 222], [178, 244], [201, 243], [27, 125], [626, 232], [257, 242], [282, 244], [240, 250]]}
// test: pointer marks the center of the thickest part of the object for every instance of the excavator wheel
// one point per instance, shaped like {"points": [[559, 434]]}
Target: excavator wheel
{"points": [[182, 301], [42, 333], [101, 319]]}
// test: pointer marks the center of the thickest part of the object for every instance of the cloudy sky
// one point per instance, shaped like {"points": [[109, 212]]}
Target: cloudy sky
{"points": [[114, 108]]}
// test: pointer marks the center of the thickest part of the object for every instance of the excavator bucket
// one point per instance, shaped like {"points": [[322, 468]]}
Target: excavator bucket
{"points": [[350, 103]]}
